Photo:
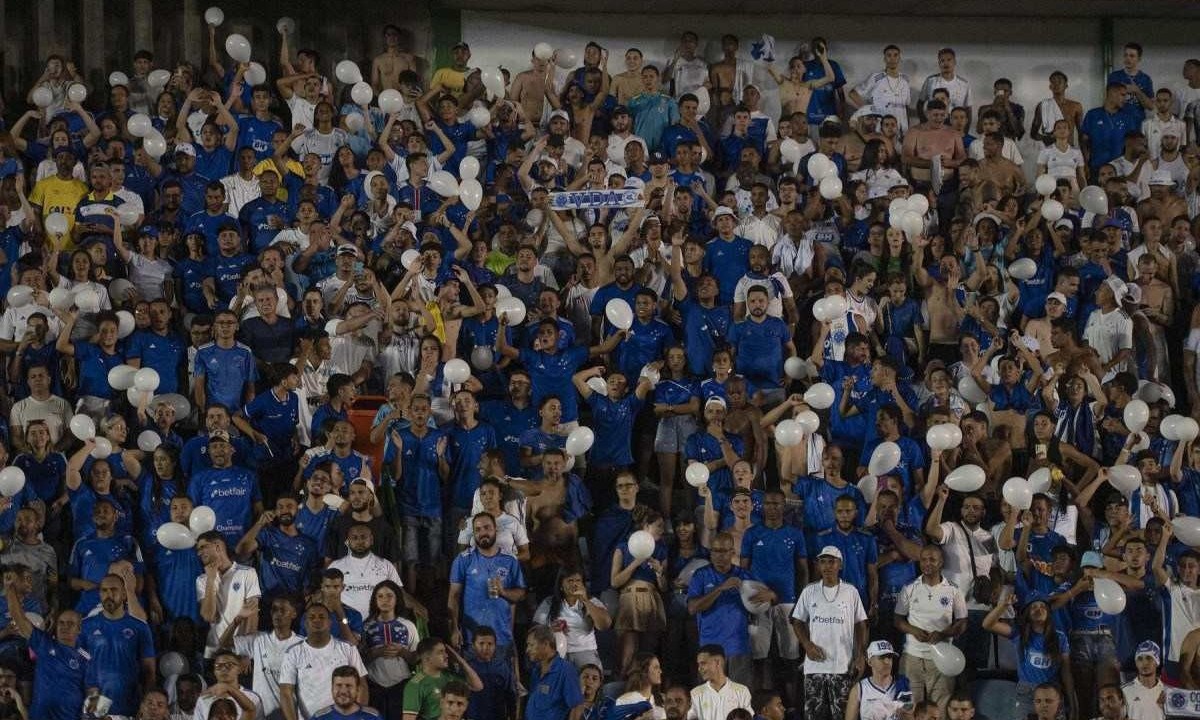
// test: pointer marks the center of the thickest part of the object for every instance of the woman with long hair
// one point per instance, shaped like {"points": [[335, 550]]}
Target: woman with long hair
{"points": [[596, 705], [573, 614], [44, 468], [641, 616], [345, 174], [160, 482], [643, 679], [389, 644], [1043, 651], [83, 496], [82, 273], [877, 169]]}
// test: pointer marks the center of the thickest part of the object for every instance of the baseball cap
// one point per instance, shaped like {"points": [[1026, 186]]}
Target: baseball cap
{"points": [[899, 183], [1171, 130], [1091, 559], [1064, 223], [1118, 287], [347, 249], [830, 551], [1036, 597], [229, 225], [148, 230], [657, 158], [185, 149], [1161, 177], [64, 149], [635, 183], [619, 110], [560, 114], [461, 44], [364, 481], [408, 226], [1057, 296], [1148, 648], [716, 400], [218, 435], [722, 211], [880, 648]]}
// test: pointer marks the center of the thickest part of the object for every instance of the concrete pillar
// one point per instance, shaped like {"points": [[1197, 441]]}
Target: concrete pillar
{"points": [[47, 40], [94, 61], [195, 38], [141, 16]]}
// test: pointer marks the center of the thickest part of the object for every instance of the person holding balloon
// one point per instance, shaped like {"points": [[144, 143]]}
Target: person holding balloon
{"points": [[1043, 650], [638, 573]]}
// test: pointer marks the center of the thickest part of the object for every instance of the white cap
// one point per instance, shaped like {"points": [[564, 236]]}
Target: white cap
{"points": [[830, 551], [721, 211], [880, 648]]}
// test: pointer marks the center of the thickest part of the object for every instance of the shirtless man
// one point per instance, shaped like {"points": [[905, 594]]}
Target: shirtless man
{"points": [[744, 419], [997, 169], [529, 90], [932, 138], [548, 498], [1163, 202], [387, 66], [945, 312], [722, 75], [1054, 108], [794, 90], [629, 83]]}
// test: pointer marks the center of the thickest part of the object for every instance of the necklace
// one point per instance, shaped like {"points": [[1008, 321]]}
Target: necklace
{"points": [[836, 588]]}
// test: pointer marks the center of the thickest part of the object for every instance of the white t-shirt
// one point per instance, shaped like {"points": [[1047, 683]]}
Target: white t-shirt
{"points": [[777, 288], [709, 703], [958, 557], [831, 614], [308, 670], [510, 534], [302, 111], [54, 410], [1059, 163], [1142, 701], [1108, 334], [958, 87], [239, 191], [1010, 151], [887, 95], [1185, 615], [205, 702], [323, 145], [148, 275], [581, 635], [929, 607], [361, 577], [266, 651], [238, 585]]}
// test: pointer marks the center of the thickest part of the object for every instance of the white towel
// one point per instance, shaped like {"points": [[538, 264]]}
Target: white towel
{"points": [[1051, 113]]}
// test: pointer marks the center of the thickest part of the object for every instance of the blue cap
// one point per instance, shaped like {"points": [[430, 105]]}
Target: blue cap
{"points": [[1036, 597], [1091, 559], [149, 230], [1150, 648]]}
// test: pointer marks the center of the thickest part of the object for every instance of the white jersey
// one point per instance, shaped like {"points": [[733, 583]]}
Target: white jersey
{"points": [[361, 577], [1155, 127], [875, 703], [831, 615], [323, 145], [887, 95], [1060, 163], [1142, 701], [302, 111], [238, 585], [1108, 334], [308, 669], [510, 534], [205, 702], [266, 651], [958, 87], [1184, 615]]}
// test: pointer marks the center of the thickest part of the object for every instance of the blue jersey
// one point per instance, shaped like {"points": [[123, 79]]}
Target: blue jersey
{"points": [[175, 572], [759, 348], [472, 570], [419, 489], [464, 449], [552, 375], [912, 459], [194, 456], [117, 648], [324, 413], [190, 275], [83, 500], [225, 372], [645, 343], [820, 497], [255, 217], [91, 557], [703, 330], [459, 134], [652, 114], [859, 551], [208, 225], [314, 525], [727, 261], [612, 291], [773, 553], [705, 448], [1041, 548], [58, 678], [1141, 80], [725, 622], [257, 134], [822, 102], [45, 476], [215, 163], [1034, 664], [1106, 133], [275, 418], [613, 424], [555, 693], [510, 422], [894, 576], [167, 354], [286, 563], [231, 493], [94, 365], [227, 272]]}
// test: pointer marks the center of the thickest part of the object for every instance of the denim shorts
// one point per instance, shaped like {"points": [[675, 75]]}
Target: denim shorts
{"points": [[422, 539]]}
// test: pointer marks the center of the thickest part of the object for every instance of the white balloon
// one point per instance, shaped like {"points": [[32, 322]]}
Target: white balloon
{"points": [[598, 385], [202, 520], [641, 545], [444, 184], [970, 391], [789, 433], [912, 223], [154, 144], [285, 25], [1045, 185], [121, 377], [696, 474], [1189, 430], [794, 368], [362, 93], [83, 427], [238, 47], [77, 92], [1016, 492], [808, 421], [831, 187], [1136, 414], [128, 214], [125, 324], [512, 309], [57, 224], [942, 436], [1170, 426], [391, 101], [1187, 529], [175, 536], [479, 117], [869, 487], [1039, 480], [820, 166], [103, 449], [117, 78], [580, 441], [214, 16], [333, 500], [918, 204], [19, 296], [948, 659], [457, 371], [468, 169], [790, 150], [146, 380], [884, 459], [157, 79], [819, 396], [408, 257], [1109, 595], [172, 663], [543, 51], [966, 478], [619, 313], [493, 81], [1022, 269], [347, 72], [137, 397], [470, 192], [353, 122], [148, 441], [87, 300], [566, 59], [61, 298], [1052, 210], [42, 97], [255, 74], [1094, 200], [12, 481], [482, 358], [1125, 478], [703, 102]]}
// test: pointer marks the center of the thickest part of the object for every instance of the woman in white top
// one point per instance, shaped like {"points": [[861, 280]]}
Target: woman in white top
{"points": [[147, 271], [642, 680], [1062, 160], [81, 274], [877, 169], [511, 536], [571, 613]]}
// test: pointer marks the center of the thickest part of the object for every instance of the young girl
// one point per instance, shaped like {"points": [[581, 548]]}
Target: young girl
{"points": [[1043, 650], [389, 643]]}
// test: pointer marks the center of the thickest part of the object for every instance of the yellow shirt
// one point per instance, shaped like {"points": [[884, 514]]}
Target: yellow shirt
{"points": [[452, 80], [53, 194]]}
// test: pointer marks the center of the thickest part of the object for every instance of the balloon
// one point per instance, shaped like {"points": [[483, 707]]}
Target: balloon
{"points": [[12, 481], [285, 25], [794, 368], [202, 520], [182, 407], [1045, 185], [502, 291], [470, 192], [146, 380], [125, 323], [57, 224], [580, 440], [869, 487], [154, 144], [1022, 269], [543, 51], [565, 59], [118, 78], [970, 391], [820, 167], [1039, 480], [121, 377], [808, 421], [353, 121], [493, 82], [1017, 493], [148, 441], [696, 474], [172, 663], [214, 16], [948, 659], [87, 300], [748, 590], [819, 396], [512, 308], [1094, 200], [830, 308], [238, 47], [703, 101], [103, 448], [158, 79], [1170, 426], [19, 296], [347, 72], [918, 204], [82, 427], [444, 184], [391, 101], [790, 150], [1125, 478], [598, 385], [468, 169], [789, 433], [361, 93], [912, 223], [1168, 396], [457, 371], [256, 74], [619, 313], [831, 187], [966, 478], [76, 92], [42, 97], [61, 298], [1136, 415], [408, 257], [1187, 529], [333, 501], [1109, 595], [1052, 210], [482, 358], [174, 536], [884, 459], [641, 545], [137, 397], [943, 436], [1189, 430], [128, 215]]}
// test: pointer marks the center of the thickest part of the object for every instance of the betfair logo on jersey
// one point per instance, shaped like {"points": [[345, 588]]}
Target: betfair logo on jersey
{"points": [[627, 197]]}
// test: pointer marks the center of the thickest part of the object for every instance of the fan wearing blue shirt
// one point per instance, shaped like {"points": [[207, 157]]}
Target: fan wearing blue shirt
{"points": [[714, 597], [727, 256], [226, 266], [159, 348], [94, 358], [225, 370], [760, 342], [173, 591], [1102, 134], [484, 585], [345, 693], [93, 555], [288, 560], [121, 648], [647, 339], [208, 222], [231, 492], [263, 217], [911, 468], [257, 131], [859, 550], [716, 448], [554, 689], [61, 667], [273, 417]]}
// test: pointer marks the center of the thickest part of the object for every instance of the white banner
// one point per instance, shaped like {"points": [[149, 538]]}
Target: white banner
{"points": [[580, 199]]}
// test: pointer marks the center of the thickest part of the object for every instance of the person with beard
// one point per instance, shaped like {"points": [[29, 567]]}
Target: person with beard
{"points": [[265, 650], [363, 569], [93, 555], [226, 665], [313, 517], [760, 342], [121, 647], [58, 675], [225, 588], [194, 457], [484, 585], [512, 416], [28, 548], [288, 560], [344, 690], [272, 420], [231, 492], [363, 510]]}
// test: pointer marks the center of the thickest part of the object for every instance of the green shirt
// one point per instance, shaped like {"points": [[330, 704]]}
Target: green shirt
{"points": [[423, 694]]}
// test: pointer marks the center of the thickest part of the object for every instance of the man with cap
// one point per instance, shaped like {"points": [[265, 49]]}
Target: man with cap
{"points": [[60, 192], [232, 492], [1163, 202], [653, 110], [715, 597], [1145, 691], [882, 685], [347, 258], [831, 623], [192, 183], [726, 256], [454, 78], [1109, 331], [929, 610]]}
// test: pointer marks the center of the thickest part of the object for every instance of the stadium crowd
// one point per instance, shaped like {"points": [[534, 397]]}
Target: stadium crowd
{"points": [[595, 392]]}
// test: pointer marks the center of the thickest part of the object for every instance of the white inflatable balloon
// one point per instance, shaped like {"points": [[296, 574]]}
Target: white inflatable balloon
{"points": [[347, 72], [566, 59], [918, 204], [148, 441], [512, 309], [790, 150], [869, 487], [172, 663], [82, 427], [238, 47], [948, 659], [696, 474], [543, 51], [456, 371], [146, 380], [175, 536], [158, 79], [103, 448], [468, 168], [1045, 184], [1094, 200], [913, 224], [118, 79], [970, 391], [1022, 269], [42, 97], [202, 520], [1125, 478], [482, 358], [1169, 427], [12, 481], [641, 545], [255, 74], [1136, 414], [391, 101], [77, 92], [154, 144], [493, 81], [808, 421], [884, 458], [944, 436], [1052, 210], [444, 184], [1039, 480], [362, 93], [831, 187], [470, 192], [966, 478], [820, 167], [598, 385], [820, 396], [121, 377], [125, 324], [479, 117], [214, 16], [580, 441], [1017, 493], [619, 313], [1110, 596], [19, 296], [57, 224], [788, 433], [1187, 529]]}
